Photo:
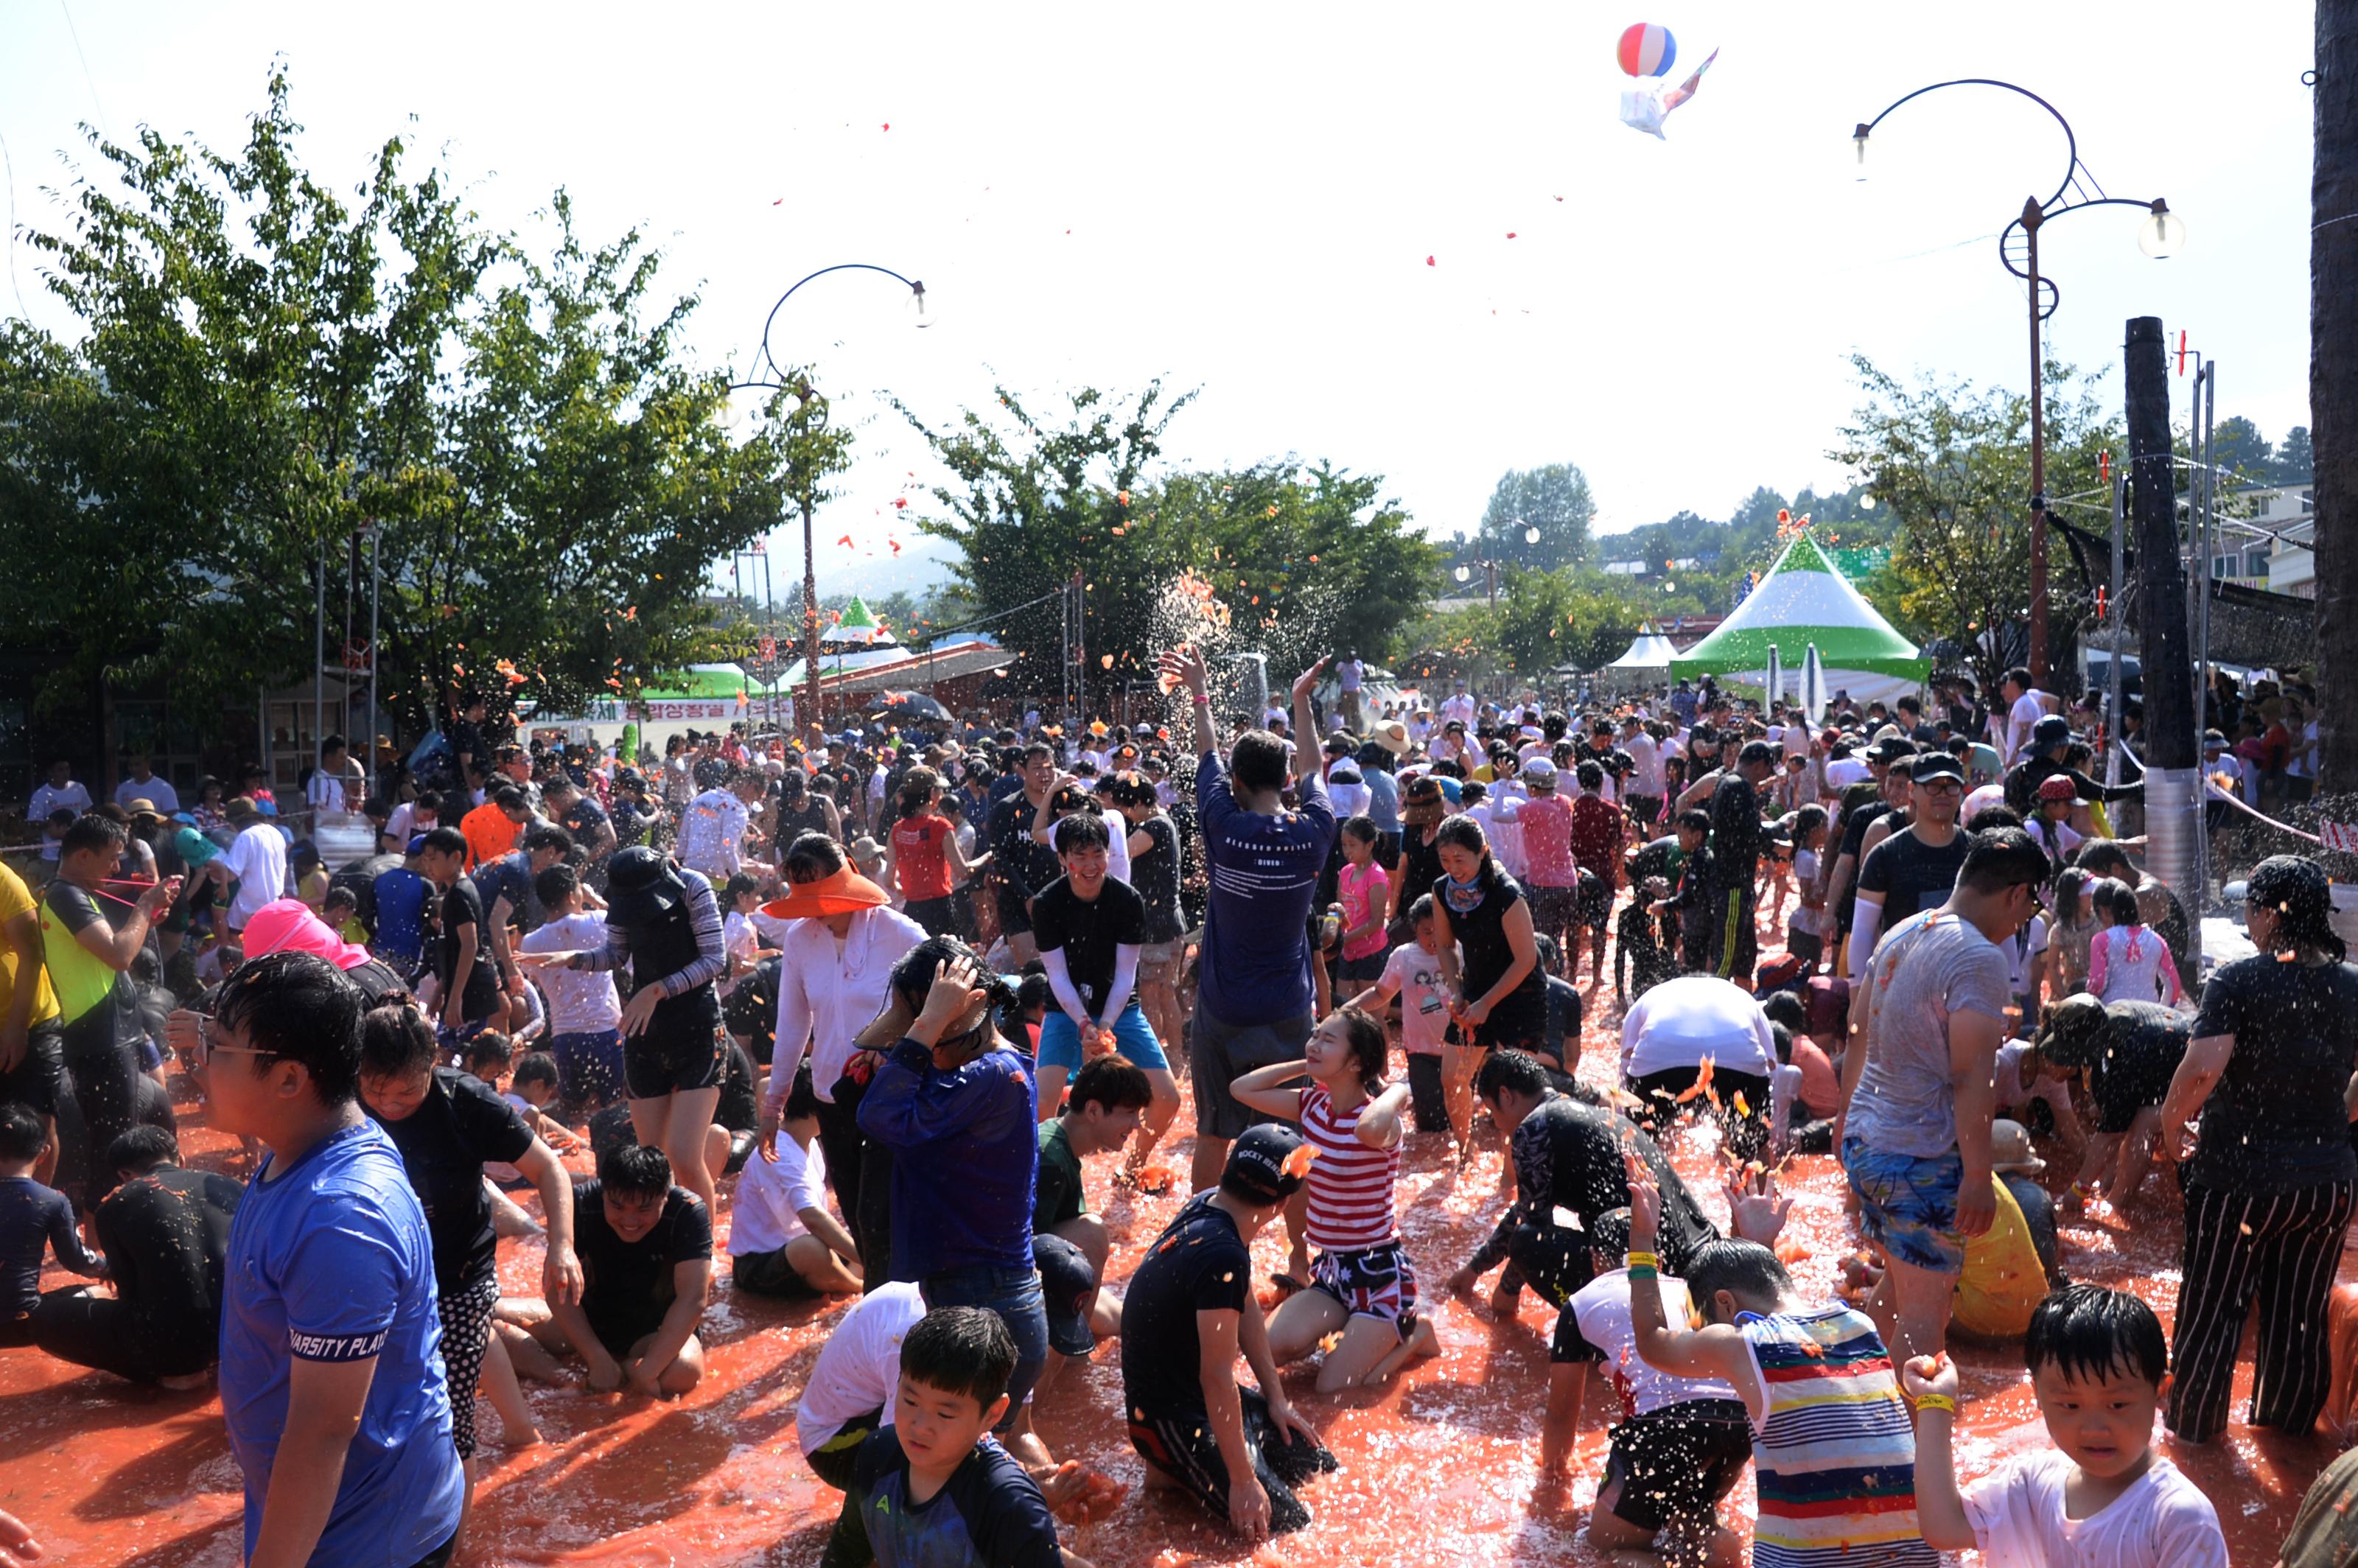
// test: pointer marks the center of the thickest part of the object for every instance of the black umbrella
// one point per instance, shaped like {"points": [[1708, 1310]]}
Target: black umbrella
{"points": [[906, 706]]}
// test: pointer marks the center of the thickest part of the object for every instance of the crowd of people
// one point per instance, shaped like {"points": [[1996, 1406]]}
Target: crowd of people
{"points": [[860, 1011]]}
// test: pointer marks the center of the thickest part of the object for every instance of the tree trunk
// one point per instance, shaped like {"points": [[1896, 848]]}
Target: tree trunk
{"points": [[2333, 385], [2170, 713]]}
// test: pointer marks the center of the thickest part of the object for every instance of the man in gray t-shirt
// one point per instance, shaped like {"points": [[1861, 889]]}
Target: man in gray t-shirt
{"points": [[1915, 1137]]}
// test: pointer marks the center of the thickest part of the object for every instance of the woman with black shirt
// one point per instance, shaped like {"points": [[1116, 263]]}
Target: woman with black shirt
{"points": [[1154, 871], [1422, 806], [2272, 1181], [446, 1125], [1479, 909]]}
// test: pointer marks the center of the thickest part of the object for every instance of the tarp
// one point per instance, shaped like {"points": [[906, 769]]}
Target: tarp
{"points": [[1650, 651], [1804, 600]]}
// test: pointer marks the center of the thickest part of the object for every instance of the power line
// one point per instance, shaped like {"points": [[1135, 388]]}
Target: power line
{"points": [[92, 81], [9, 164]]}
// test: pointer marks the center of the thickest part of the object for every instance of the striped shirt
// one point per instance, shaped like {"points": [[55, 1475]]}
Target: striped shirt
{"points": [[1836, 1455], [1350, 1183]]}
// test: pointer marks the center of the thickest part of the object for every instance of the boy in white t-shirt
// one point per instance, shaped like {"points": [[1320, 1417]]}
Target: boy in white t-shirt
{"points": [[2101, 1498], [782, 1241], [1413, 974]]}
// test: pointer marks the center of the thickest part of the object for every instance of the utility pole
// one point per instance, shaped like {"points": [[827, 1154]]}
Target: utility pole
{"points": [[2173, 777], [2333, 385]]}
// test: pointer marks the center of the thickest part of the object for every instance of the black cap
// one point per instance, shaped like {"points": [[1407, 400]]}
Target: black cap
{"points": [[1257, 1168], [2052, 731], [1936, 766], [640, 886]]}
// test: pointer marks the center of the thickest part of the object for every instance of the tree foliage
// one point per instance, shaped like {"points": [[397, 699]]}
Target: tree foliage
{"points": [[1292, 560], [271, 378], [1951, 464], [1555, 500]]}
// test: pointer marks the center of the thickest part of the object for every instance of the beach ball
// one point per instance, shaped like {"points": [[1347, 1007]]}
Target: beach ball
{"points": [[1647, 49]]}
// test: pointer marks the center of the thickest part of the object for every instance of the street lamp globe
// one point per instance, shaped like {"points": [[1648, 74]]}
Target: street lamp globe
{"points": [[1463, 573], [2162, 235], [1532, 535], [1867, 501]]}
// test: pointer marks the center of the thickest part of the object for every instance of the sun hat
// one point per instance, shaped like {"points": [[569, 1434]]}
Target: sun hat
{"points": [[641, 885], [287, 925], [2010, 1150], [843, 892]]}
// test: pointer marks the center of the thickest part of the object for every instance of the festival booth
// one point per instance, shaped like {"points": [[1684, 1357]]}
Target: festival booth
{"points": [[1804, 603], [1646, 662]]}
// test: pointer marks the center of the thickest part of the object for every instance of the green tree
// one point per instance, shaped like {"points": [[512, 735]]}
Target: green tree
{"points": [[2294, 458], [1280, 558], [1951, 461], [2241, 452], [1555, 500], [270, 380]]}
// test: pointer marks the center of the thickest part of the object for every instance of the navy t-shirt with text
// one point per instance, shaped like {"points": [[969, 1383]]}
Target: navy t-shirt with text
{"points": [[1264, 874], [330, 1260]]}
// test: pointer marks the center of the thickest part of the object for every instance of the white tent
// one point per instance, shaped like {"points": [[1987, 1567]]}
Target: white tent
{"points": [[1803, 604], [1650, 651]]}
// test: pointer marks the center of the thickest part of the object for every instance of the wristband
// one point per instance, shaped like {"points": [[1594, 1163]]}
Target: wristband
{"points": [[1936, 1402], [1202, 700], [1644, 1261]]}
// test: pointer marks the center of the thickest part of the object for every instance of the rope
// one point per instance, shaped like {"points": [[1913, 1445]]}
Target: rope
{"points": [[2253, 811]]}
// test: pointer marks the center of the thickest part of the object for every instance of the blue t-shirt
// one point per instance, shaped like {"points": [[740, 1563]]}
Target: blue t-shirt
{"points": [[401, 895], [989, 1514], [330, 1260], [33, 1219], [965, 1158], [1264, 873], [1383, 799]]}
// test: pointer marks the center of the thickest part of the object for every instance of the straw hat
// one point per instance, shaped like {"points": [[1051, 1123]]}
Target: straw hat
{"points": [[2010, 1150], [1392, 736]]}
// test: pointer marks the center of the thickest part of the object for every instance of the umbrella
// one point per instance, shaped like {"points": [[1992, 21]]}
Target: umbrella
{"points": [[907, 705]]}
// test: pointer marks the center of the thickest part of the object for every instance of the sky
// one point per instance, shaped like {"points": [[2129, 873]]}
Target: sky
{"points": [[1416, 241]]}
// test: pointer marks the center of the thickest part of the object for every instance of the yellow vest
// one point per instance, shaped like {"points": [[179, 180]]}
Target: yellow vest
{"points": [[82, 978]]}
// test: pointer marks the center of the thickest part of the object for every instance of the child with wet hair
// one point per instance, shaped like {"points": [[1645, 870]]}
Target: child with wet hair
{"points": [[2098, 1369], [1832, 1449]]}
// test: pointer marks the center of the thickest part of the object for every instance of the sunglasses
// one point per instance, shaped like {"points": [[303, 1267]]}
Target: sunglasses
{"points": [[208, 1047]]}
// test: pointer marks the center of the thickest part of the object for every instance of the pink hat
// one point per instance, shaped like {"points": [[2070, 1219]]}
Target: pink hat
{"points": [[287, 925]]}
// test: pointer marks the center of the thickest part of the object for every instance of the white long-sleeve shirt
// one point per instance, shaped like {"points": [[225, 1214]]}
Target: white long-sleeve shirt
{"points": [[827, 994], [712, 835]]}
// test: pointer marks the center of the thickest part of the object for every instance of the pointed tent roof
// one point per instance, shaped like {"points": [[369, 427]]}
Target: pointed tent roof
{"points": [[857, 626], [1803, 600], [1649, 650]]}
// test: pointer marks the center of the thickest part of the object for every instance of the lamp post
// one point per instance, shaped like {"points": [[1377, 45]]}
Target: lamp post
{"points": [[2161, 237], [804, 414]]}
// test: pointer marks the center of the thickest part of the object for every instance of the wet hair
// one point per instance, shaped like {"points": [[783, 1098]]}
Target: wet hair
{"points": [[2102, 856], [1114, 1081], [812, 858], [1036, 751], [1608, 1234], [554, 885], [2070, 883], [1990, 818], [339, 896], [1756, 753], [802, 1096], [1590, 774], [297, 1007], [1785, 1008], [142, 1149], [635, 1169], [740, 885], [917, 787], [1743, 1269], [507, 797], [913, 977], [1780, 1038], [2086, 1331], [1360, 830], [490, 1051], [535, 1067], [2115, 898], [91, 833], [2001, 858], [1806, 821], [1462, 832], [1420, 909], [23, 1135], [1081, 830], [548, 836], [960, 1350], [1516, 1070], [445, 840], [1364, 1033], [1696, 818], [396, 1041], [1257, 762], [2304, 903], [1548, 950]]}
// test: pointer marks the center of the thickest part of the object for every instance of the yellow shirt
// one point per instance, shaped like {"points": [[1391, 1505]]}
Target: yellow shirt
{"points": [[2003, 1281], [16, 899]]}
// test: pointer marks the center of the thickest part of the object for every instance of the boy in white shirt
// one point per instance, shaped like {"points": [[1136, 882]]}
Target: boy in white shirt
{"points": [[782, 1239], [1413, 973], [585, 1012], [2101, 1498]]}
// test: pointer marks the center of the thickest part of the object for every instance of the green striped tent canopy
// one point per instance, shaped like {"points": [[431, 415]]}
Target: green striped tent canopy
{"points": [[1804, 600]]}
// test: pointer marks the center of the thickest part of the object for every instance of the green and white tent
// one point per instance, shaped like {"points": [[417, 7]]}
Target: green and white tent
{"points": [[1804, 602]]}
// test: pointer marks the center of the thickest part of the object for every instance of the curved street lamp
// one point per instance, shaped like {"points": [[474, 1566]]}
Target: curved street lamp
{"points": [[800, 386], [2161, 237]]}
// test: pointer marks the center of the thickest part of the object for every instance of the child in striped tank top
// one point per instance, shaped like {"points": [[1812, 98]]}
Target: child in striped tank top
{"points": [[1833, 1448], [1361, 1280]]}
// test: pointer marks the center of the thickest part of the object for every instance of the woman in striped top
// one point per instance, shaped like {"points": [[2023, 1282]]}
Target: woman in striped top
{"points": [[1360, 1281], [1833, 1444]]}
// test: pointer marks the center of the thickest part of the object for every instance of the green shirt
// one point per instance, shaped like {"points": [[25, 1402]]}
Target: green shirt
{"points": [[1059, 1197]]}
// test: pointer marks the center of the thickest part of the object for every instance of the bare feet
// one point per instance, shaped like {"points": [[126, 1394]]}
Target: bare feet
{"points": [[188, 1383]]}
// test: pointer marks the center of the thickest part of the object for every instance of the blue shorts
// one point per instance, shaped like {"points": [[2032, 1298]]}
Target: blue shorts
{"points": [[1060, 1040], [1908, 1206], [590, 1067]]}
